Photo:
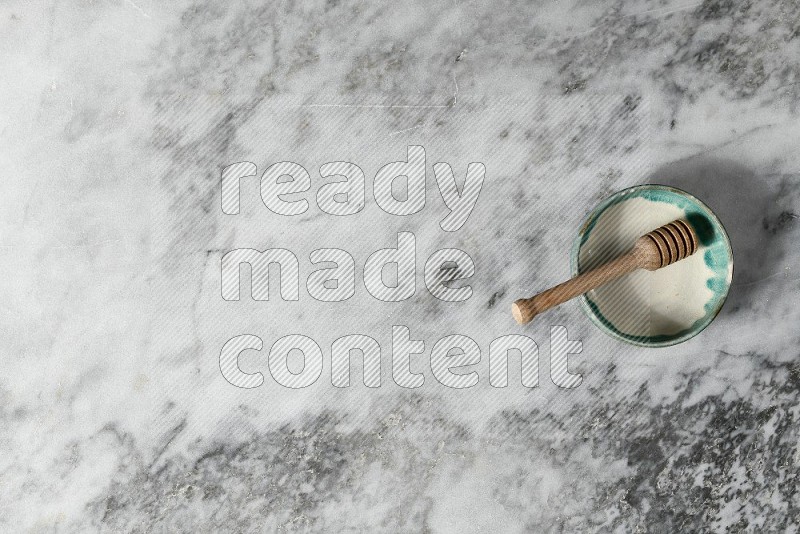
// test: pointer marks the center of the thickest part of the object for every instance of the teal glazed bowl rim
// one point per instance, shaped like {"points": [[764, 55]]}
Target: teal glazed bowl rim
{"points": [[592, 311]]}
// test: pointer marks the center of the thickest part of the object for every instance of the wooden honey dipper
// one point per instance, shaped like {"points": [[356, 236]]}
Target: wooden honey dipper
{"points": [[659, 248]]}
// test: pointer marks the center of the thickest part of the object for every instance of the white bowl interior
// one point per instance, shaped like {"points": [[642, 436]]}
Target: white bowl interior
{"points": [[645, 303]]}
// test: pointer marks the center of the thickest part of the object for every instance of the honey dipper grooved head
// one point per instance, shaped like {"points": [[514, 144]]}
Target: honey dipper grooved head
{"points": [[674, 241]]}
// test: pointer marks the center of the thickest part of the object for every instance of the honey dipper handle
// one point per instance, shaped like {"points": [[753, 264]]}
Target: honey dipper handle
{"points": [[526, 309], [661, 247]]}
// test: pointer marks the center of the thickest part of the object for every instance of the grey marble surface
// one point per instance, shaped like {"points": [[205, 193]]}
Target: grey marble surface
{"points": [[116, 121]]}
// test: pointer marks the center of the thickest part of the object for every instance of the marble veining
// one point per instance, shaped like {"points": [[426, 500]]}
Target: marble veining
{"points": [[116, 122]]}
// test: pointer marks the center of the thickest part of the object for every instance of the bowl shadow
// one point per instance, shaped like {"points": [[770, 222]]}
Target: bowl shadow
{"points": [[744, 202]]}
